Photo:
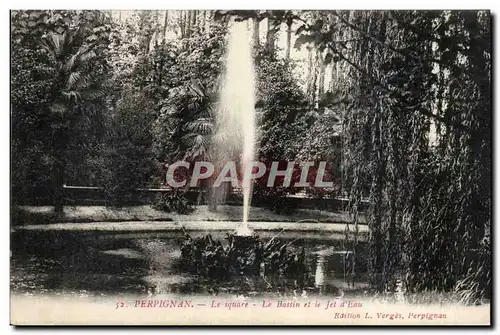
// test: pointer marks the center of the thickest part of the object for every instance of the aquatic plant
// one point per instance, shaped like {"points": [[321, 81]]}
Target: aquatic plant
{"points": [[243, 256], [173, 203]]}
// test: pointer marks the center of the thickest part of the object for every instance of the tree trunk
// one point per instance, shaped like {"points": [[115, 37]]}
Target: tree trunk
{"points": [[208, 20], [272, 27], [160, 69], [311, 77], [212, 197], [182, 24], [256, 32], [288, 38], [189, 15], [194, 20], [203, 23], [58, 180], [376, 240], [321, 81], [165, 24], [199, 198], [58, 170]]}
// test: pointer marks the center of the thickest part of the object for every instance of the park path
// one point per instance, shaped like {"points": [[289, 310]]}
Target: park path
{"points": [[201, 213], [194, 226]]}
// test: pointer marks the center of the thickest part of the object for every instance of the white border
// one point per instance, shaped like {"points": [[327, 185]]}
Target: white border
{"points": [[194, 4]]}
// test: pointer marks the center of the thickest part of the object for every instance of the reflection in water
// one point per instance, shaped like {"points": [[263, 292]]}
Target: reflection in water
{"points": [[108, 264], [158, 261], [319, 278]]}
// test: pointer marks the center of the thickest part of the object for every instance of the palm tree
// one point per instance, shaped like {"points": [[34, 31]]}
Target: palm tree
{"points": [[70, 61], [193, 106]]}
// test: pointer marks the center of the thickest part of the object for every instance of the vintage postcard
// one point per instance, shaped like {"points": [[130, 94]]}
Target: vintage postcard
{"points": [[251, 167]]}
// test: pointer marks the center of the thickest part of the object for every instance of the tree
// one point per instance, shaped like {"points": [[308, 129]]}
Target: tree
{"points": [[69, 64], [185, 126], [126, 154], [392, 95]]}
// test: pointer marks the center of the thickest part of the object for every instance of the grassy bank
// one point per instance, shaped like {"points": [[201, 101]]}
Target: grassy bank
{"points": [[29, 215]]}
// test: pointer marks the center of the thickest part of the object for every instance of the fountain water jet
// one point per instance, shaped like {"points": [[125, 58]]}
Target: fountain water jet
{"points": [[236, 119]]}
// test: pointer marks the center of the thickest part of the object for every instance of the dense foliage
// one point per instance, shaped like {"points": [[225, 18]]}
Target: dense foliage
{"points": [[59, 63], [417, 141], [398, 102], [243, 255]]}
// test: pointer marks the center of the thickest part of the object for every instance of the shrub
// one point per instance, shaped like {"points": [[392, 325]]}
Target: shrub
{"points": [[173, 203]]}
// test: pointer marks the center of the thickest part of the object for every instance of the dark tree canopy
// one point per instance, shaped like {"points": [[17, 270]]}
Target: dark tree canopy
{"points": [[398, 103]]}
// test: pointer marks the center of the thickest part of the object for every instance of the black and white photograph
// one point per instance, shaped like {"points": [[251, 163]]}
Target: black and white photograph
{"points": [[251, 167]]}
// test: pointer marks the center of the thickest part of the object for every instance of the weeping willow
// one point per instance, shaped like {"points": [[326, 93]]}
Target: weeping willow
{"points": [[417, 144]]}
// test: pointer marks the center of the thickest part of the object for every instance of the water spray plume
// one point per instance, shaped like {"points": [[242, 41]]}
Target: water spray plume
{"points": [[237, 104]]}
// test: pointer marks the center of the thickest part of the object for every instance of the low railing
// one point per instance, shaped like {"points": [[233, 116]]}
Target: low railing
{"points": [[93, 194]]}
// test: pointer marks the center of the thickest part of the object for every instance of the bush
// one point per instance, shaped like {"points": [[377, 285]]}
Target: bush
{"points": [[127, 158], [173, 203], [273, 198], [243, 256]]}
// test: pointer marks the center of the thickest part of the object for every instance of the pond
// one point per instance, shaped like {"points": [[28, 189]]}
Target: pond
{"points": [[110, 264]]}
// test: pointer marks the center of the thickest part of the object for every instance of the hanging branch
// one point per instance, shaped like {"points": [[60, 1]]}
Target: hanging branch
{"points": [[372, 38]]}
